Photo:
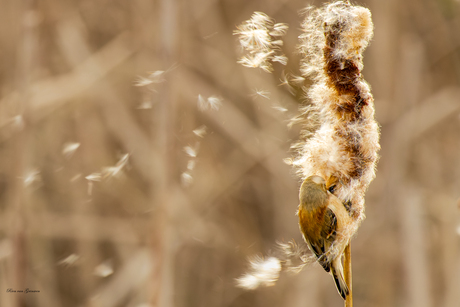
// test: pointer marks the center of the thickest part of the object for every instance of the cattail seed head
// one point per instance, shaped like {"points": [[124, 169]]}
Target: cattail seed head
{"points": [[340, 137]]}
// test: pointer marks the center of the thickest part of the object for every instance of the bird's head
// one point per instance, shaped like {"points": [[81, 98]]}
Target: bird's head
{"points": [[313, 192]]}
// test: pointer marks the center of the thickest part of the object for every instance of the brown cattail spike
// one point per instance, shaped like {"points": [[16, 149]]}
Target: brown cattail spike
{"points": [[342, 146]]}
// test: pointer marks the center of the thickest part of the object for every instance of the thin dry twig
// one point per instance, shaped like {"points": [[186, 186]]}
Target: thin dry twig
{"points": [[348, 275]]}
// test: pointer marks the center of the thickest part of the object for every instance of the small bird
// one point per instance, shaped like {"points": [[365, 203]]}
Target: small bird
{"points": [[322, 220]]}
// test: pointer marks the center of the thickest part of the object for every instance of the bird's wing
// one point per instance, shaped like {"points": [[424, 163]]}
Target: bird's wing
{"points": [[329, 230], [321, 243]]}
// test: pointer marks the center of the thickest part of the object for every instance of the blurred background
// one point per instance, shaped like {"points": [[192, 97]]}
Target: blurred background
{"points": [[141, 166]]}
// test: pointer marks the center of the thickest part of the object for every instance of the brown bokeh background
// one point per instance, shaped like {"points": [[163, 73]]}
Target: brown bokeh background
{"points": [[144, 234]]}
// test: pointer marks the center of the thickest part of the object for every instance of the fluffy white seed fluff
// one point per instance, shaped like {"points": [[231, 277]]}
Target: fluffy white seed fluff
{"points": [[259, 37], [262, 273]]}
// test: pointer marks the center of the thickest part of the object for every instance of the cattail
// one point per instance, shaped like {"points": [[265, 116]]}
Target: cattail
{"points": [[340, 135]]}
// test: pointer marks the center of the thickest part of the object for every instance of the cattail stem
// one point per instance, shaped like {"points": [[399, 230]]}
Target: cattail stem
{"points": [[347, 273]]}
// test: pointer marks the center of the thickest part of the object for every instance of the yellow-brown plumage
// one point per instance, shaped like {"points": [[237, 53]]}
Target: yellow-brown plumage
{"points": [[323, 220]]}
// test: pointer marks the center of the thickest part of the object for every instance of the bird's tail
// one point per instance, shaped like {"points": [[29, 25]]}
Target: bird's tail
{"points": [[337, 274]]}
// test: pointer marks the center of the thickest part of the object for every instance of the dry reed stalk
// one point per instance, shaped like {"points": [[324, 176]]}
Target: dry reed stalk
{"points": [[348, 276], [21, 164]]}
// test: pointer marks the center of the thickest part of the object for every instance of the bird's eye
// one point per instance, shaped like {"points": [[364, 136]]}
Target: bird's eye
{"points": [[332, 188]]}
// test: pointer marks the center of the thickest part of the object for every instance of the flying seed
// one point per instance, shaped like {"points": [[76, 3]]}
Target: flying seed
{"points": [[200, 131]]}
